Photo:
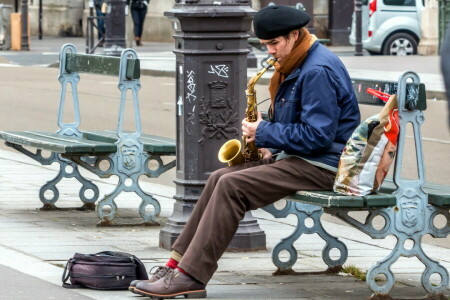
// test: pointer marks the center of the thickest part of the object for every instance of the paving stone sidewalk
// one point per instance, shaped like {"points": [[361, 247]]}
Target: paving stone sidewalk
{"points": [[38, 243]]}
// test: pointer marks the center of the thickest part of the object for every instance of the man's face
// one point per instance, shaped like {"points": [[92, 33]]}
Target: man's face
{"points": [[281, 46]]}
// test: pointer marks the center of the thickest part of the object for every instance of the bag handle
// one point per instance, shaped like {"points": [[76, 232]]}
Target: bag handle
{"points": [[380, 95], [141, 273], [66, 274], [67, 270]]}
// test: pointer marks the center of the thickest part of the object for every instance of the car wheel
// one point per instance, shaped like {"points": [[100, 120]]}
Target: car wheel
{"points": [[400, 44]]}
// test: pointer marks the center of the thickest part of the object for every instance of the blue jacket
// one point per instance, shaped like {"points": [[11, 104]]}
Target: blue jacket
{"points": [[315, 111]]}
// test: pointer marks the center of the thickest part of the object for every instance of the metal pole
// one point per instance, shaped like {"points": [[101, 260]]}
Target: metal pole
{"points": [[211, 66], [115, 28], [90, 29], [358, 24], [24, 18], [40, 19]]}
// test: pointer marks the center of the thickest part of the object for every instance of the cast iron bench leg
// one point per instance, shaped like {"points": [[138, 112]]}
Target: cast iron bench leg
{"points": [[303, 212], [129, 173], [408, 225], [67, 169]]}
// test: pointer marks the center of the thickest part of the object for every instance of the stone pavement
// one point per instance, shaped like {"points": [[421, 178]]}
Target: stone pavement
{"points": [[34, 244]]}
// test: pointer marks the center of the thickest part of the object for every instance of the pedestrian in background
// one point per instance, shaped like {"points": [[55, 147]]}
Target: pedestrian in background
{"points": [[138, 10], [445, 66], [100, 21]]}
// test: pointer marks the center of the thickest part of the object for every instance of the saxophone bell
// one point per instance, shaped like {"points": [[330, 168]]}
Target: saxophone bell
{"points": [[231, 153], [234, 152]]}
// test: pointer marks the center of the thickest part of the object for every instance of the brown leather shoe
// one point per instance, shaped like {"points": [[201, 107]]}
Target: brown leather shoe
{"points": [[172, 285], [157, 273]]}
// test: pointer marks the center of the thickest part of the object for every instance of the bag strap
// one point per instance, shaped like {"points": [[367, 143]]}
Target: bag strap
{"points": [[380, 95], [66, 275], [71, 286]]}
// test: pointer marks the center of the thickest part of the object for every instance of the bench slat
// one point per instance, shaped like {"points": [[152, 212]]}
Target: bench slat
{"points": [[100, 64], [152, 144], [331, 199], [438, 194], [57, 143]]}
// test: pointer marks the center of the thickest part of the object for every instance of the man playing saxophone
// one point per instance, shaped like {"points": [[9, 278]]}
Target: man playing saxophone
{"points": [[313, 113]]}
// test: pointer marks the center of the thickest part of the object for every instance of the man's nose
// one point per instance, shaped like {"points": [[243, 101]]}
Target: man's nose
{"points": [[271, 50]]}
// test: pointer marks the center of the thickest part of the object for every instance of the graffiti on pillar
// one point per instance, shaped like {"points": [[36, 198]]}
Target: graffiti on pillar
{"points": [[191, 86], [218, 124], [219, 70], [191, 98]]}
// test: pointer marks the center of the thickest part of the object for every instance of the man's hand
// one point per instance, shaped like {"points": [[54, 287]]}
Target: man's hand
{"points": [[249, 128], [265, 153]]}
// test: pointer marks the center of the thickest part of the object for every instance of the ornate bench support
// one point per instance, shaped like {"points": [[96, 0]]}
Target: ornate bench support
{"points": [[303, 212], [130, 161], [67, 168], [412, 217]]}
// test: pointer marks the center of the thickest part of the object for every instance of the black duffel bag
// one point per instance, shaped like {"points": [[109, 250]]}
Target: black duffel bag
{"points": [[107, 270]]}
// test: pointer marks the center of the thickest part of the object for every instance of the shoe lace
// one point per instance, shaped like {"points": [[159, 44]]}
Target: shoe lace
{"points": [[158, 271], [168, 278]]}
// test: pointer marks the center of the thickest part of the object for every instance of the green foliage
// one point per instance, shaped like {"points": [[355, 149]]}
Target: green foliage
{"points": [[355, 272]]}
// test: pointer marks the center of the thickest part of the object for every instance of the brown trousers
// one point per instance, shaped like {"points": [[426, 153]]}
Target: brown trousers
{"points": [[228, 194]]}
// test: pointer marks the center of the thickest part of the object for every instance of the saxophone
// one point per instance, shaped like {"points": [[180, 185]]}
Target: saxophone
{"points": [[234, 152]]}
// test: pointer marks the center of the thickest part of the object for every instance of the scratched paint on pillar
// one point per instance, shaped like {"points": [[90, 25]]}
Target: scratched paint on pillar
{"points": [[191, 97], [190, 102]]}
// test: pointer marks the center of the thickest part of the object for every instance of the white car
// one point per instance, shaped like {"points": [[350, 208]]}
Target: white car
{"points": [[390, 27]]}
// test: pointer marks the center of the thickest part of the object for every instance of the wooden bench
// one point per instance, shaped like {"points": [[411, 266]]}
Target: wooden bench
{"points": [[127, 155], [407, 206]]}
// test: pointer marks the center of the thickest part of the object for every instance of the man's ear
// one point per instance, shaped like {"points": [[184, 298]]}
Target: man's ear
{"points": [[295, 34]]}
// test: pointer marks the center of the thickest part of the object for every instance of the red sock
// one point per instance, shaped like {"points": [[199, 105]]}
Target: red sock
{"points": [[172, 263]]}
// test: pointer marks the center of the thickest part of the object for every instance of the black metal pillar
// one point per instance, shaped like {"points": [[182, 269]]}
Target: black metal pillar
{"points": [[340, 19], [115, 27], [40, 19], [252, 61], [358, 25], [211, 60], [24, 45]]}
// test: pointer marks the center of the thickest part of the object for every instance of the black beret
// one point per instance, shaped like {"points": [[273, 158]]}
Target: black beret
{"points": [[276, 20]]}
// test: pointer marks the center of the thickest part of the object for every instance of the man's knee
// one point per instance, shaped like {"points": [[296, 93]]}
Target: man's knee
{"points": [[231, 181], [218, 173]]}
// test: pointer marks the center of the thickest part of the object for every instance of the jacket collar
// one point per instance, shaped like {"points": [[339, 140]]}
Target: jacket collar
{"points": [[297, 71]]}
